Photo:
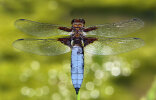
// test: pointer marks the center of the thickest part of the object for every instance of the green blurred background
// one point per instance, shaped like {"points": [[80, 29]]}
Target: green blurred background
{"points": [[128, 76]]}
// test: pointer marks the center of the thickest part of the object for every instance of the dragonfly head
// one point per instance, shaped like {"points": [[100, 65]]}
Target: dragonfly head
{"points": [[78, 23]]}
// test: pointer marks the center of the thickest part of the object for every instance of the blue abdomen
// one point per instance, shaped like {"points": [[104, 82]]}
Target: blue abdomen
{"points": [[77, 67]]}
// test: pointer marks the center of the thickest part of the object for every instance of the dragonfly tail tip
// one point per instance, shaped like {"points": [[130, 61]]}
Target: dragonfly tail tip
{"points": [[77, 90]]}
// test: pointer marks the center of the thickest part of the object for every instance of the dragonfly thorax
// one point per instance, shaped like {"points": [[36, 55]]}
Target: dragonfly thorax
{"points": [[77, 41]]}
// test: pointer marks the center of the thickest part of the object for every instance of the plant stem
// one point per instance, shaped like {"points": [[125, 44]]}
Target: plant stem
{"points": [[78, 96]]}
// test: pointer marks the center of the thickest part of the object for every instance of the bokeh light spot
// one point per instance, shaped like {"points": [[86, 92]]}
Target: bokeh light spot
{"points": [[90, 86], [35, 65], [94, 94], [56, 96], [126, 71], [109, 90], [99, 74], [115, 71]]}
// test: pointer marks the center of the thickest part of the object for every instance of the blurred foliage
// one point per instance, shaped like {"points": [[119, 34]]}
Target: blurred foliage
{"points": [[32, 77], [151, 93]]}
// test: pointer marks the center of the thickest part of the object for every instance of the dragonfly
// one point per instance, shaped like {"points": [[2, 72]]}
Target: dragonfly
{"points": [[96, 39]]}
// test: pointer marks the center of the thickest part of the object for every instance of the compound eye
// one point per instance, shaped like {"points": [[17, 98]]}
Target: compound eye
{"points": [[80, 25], [75, 25]]}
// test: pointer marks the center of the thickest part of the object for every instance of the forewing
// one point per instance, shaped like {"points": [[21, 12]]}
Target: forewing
{"points": [[38, 29], [112, 46], [117, 29], [47, 47]]}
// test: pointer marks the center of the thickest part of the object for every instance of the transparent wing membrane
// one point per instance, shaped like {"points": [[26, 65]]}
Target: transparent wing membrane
{"points": [[111, 46], [47, 47], [38, 29], [101, 46], [117, 29]]}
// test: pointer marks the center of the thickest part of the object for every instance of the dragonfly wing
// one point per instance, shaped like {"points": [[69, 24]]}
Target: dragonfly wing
{"points": [[117, 29], [112, 46], [38, 29], [47, 47]]}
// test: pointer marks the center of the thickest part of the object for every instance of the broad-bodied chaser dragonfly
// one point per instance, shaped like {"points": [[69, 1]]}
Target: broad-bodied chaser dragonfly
{"points": [[97, 39]]}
